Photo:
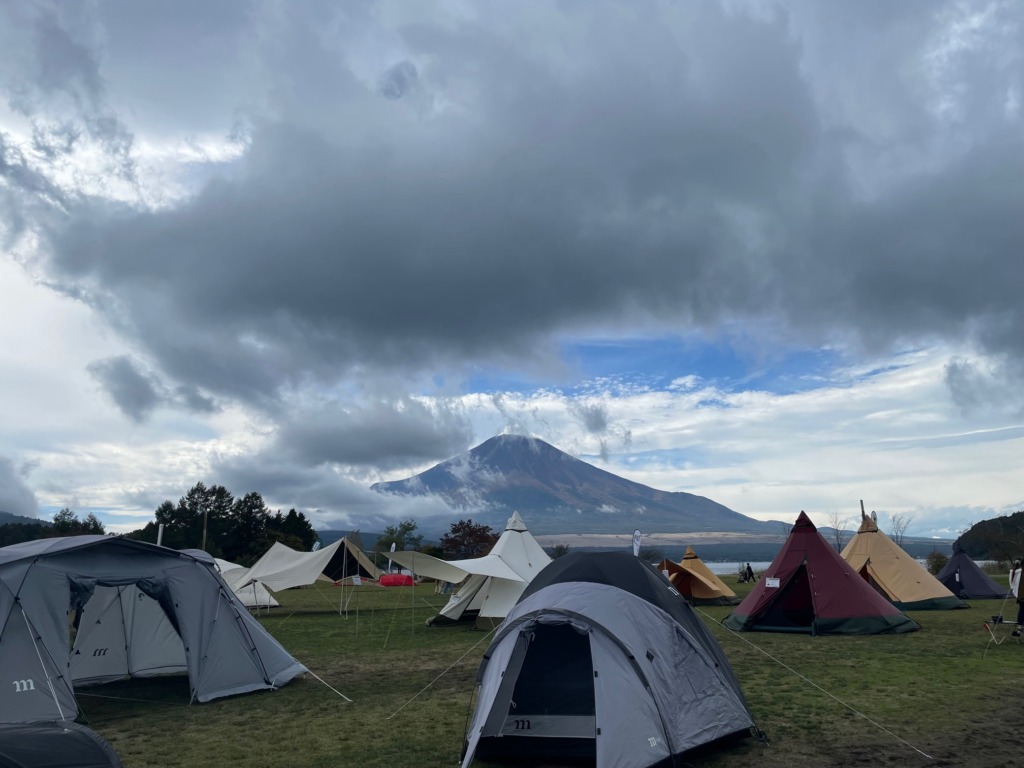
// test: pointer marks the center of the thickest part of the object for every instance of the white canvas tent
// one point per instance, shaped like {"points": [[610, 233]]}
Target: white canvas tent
{"points": [[283, 567], [252, 594], [492, 583]]}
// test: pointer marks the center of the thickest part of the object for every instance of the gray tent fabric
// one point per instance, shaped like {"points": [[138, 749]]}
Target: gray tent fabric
{"points": [[141, 610], [54, 745], [582, 669]]}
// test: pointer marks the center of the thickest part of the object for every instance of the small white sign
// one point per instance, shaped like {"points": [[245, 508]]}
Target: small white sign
{"points": [[771, 583], [357, 581]]}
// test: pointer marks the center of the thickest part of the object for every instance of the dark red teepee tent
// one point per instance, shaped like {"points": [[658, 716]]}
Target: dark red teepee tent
{"points": [[809, 588]]}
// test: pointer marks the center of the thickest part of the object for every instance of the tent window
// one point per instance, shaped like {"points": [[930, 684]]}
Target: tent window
{"points": [[794, 606], [557, 677]]}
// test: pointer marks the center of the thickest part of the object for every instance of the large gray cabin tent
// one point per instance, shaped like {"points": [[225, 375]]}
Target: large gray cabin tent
{"points": [[54, 745], [140, 610], [601, 659]]}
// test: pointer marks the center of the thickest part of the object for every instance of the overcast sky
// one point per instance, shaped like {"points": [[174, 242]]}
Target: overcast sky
{"points": [[773, 255]]}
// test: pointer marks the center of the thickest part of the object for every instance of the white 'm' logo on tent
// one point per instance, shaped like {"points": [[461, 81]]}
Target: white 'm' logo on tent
{"points": [[20, 686]]}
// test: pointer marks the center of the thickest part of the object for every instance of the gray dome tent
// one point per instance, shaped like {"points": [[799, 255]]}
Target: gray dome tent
{"points": [[602, 659], [142, 610], [54, 745]]}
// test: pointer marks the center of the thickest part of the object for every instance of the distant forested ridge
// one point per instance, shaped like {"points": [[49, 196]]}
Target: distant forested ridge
{"points": [[240, 529], [14, 529], [1001, 538]]}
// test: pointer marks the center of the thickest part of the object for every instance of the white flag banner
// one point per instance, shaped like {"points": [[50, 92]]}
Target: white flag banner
{"points": [[389, 559], [636, 542]]}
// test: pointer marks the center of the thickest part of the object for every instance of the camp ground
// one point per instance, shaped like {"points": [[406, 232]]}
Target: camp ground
{"points": [[820, 700]]}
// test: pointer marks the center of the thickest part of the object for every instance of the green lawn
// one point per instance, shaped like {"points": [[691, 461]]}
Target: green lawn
{"points": [[411, 689]]}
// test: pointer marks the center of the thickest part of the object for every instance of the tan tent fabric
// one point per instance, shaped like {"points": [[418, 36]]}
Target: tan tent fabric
{"points": [[894, 573], [696, 582]]}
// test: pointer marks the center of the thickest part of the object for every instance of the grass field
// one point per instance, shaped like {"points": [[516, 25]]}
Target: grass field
{"points": [[936, 690]]}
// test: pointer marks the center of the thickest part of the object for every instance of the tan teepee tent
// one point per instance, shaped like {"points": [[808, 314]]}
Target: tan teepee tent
{"points": [[696, 582], [905, 582]]}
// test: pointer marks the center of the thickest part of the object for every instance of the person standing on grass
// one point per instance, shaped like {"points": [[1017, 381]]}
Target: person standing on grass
{"points": [[748, 573]]}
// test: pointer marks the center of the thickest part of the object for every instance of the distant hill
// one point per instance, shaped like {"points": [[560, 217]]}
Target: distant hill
{"points": [[7, 517], [557, 493], [1000, 538]]}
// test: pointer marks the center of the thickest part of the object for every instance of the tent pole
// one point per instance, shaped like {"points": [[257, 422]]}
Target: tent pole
{"points": [[344, 574], [49, 680]]}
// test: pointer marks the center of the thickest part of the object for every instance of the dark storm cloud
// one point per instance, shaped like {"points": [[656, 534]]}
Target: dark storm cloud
{"points": [[328, 497], [133, 391], [16, 497], [381, 433], [670, 165]]}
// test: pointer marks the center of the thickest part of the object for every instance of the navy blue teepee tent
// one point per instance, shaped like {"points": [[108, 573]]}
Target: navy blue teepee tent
{"points": [[966, 580]]}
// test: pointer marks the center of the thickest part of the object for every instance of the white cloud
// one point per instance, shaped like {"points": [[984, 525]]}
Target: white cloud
{"points": [[292, 244]]}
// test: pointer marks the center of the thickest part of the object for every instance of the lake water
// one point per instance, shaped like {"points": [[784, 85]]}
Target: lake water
{"points": [[728, 568], [733, 568]]}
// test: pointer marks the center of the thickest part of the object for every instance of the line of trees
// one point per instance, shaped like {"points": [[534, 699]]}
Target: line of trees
{"points": [[239, 529], [65, 523]]}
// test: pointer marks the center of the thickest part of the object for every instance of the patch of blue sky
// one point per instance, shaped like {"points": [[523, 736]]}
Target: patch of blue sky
{"points": [[627, 365], [668, 362]]}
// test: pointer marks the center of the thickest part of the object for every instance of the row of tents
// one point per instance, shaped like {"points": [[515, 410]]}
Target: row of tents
{"points": [[809, 587]]}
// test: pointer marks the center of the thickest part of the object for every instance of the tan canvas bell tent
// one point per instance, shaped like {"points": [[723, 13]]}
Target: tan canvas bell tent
{"points": [[696, 582], [899, 577]]}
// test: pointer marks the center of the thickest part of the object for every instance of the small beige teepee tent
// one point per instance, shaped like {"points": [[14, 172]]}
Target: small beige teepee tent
{"points": [[696, 582], [885, 566]]}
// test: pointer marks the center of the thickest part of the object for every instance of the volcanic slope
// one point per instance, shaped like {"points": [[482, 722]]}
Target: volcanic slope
{"points": [[557, 493]]}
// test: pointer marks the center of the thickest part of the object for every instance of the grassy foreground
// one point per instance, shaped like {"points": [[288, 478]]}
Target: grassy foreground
{"points": [[937, 690]]}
